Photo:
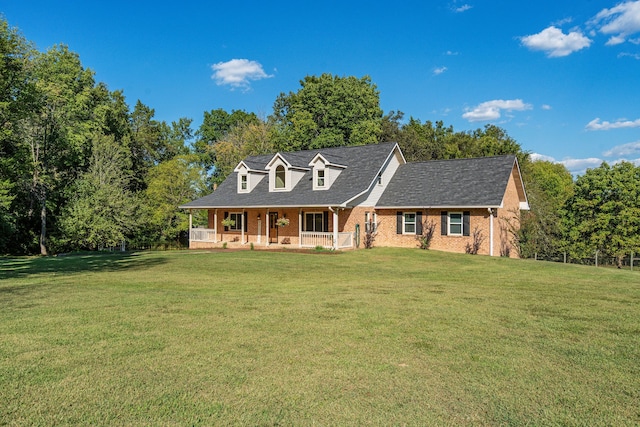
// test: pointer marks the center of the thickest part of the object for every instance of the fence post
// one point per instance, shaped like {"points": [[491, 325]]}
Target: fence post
{"points": [[596, 257], [632, 254], [565, 257]]}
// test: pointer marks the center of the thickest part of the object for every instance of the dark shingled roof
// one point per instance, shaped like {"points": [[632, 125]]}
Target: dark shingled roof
{"points": [[362, 166], [475, 182]]}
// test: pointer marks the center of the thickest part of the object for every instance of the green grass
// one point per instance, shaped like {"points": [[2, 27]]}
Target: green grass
{"points": [[379, 337]]}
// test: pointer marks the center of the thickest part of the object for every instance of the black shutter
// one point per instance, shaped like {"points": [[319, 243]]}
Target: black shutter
{"points": [[325, 222], [465, 223], [399, 222], [245, 220], [419, 223], [226, 215], [443, 223]]}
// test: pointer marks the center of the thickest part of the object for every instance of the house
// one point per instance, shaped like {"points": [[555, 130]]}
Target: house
{"points": [[331, 197]]}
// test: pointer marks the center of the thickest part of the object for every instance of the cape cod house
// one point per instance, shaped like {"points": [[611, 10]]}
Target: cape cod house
{"points": [[331, 197]]}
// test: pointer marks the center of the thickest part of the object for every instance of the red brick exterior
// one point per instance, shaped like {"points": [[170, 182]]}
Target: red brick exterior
{"points": [[504, 219]]}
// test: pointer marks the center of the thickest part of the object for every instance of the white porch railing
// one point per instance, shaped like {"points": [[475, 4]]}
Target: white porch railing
{"points": [[202, 235], [311, 239]]}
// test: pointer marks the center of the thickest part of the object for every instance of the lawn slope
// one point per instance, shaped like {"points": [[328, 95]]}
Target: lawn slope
{"points": [[382, 337]]}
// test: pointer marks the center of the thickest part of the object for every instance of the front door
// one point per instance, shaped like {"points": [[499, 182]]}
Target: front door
{"points": [[273, 227]]}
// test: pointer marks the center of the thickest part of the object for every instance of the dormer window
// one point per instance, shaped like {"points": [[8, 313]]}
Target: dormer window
{"points": [[320, 178], [243, 182], [281, 177]]}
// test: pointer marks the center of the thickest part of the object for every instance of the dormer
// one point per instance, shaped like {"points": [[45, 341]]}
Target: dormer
{"points": [[325, 172], [283, 176], [248, 178]]}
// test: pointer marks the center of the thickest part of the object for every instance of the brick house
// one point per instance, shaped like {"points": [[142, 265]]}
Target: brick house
{"points": [[331, 197]]}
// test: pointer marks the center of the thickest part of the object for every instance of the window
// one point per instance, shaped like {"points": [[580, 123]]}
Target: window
{"points": [[320, 178], [280, 177], [409, 223], [315, 221], [237, 218], [243, 182], [455, 223], [370, 221]]}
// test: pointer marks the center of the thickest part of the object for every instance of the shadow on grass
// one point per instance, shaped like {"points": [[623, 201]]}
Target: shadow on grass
{"points": [[12, 268]]}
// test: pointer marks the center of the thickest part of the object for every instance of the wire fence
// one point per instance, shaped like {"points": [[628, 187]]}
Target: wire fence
{"points": [[630, 261]]}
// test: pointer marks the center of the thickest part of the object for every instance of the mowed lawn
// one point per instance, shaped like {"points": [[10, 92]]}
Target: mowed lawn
{"points": [[374, 337]]}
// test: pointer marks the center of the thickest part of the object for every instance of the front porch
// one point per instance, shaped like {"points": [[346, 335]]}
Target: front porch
{"points": [[271, 228], [307, 239]]}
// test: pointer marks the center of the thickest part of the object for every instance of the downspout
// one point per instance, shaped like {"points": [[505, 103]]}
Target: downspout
{"points": [[490, 231], [335, 227]]}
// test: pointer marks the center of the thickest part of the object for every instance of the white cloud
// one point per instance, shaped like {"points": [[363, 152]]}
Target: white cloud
{"points": [[635, 41], [541, 157], [580, 166], [238, 73], [555, 43], [451, 53], [596, 124], [630, 55], [546, 107], [491, 110], [561, 22], [439, 70], [462, 8], [630, 149], [620, 21]]}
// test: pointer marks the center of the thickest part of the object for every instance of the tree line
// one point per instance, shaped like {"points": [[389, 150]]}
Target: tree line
{"points": [[80, 170]]}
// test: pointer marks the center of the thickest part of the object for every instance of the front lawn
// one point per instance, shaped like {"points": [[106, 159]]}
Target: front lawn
{"points": [[379, 337]]}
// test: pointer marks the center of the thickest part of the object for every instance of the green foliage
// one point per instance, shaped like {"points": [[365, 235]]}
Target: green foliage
{"points": [[548, 187], [604, 212], [171, 184], [103, 212], [328, 111]]}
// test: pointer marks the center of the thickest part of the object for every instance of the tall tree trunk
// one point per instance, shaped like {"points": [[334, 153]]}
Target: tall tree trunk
{"points": [[43, 225]]}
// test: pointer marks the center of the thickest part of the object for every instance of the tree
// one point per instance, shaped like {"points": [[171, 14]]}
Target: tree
{"points": [[247, 139], [215, 126], [102, 211], [604, 212], [16, 98], [328, 111], [548, 185], [171, 184], [57, 129]]}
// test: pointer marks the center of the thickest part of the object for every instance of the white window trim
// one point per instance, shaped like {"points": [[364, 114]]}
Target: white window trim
{"points": [[238, 225], [371, 219], [404, 223], [449, 233], [246, 183], [316, 178], [314, 213]]}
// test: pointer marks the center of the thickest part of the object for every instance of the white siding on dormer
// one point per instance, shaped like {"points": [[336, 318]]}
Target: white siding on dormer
{"points": [[330, 174], [253, 178], [388, 171]]}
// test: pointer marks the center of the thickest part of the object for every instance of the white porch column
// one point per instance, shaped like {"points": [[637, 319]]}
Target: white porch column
{"points": [[335, 229], [300, 228], [259, 230], [215, 226], [242, 229], [266, 229]]}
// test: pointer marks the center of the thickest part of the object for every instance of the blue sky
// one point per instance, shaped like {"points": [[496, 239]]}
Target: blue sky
{"points": [[562, 77]]}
